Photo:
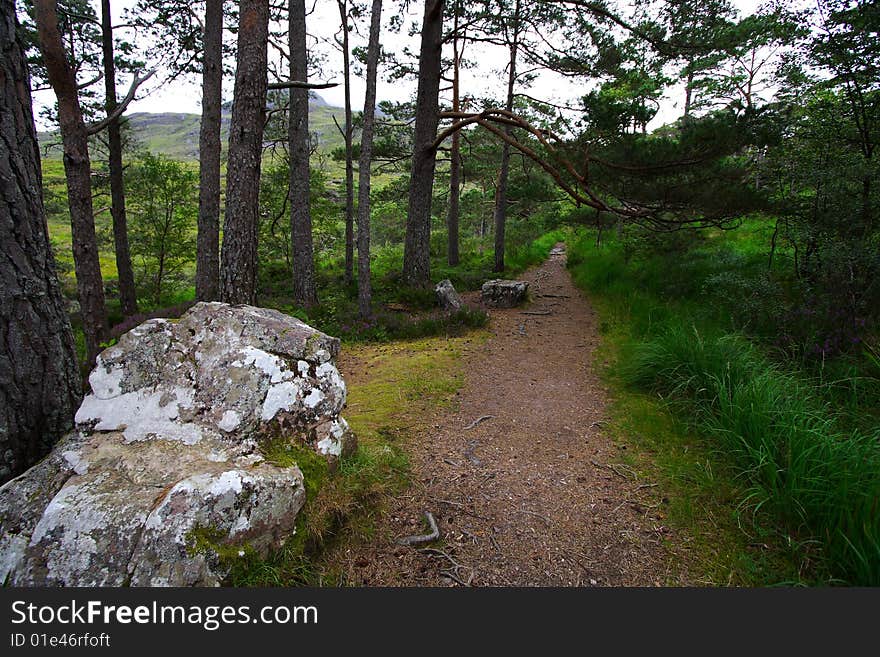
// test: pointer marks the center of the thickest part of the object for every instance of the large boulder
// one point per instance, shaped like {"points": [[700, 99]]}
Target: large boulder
{"points": [[504, 294], [447, 297], [169, 471]]}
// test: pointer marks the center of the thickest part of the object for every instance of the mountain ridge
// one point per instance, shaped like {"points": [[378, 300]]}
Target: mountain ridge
{"points": [[176, 134]]}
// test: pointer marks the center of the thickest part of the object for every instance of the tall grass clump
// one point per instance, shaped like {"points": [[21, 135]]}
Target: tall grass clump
{"points": [[786, 433], [824, 482]]}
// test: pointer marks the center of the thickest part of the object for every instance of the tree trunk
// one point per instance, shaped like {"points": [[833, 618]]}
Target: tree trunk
{"points": [[78, 171], [504, 169], [365, 292], [349, 164], [238, 270], [501, 205], [127, 294], [452, 256], [39, 379], [304, 290], [208, 240], [688, 91], [417, 247]]}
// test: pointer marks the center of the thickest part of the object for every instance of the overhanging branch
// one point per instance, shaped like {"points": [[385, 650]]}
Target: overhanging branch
{"points": [[294, 84], [95, 128]]}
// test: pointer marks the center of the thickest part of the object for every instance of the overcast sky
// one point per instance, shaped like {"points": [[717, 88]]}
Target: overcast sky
{"points": [[486, 78]]}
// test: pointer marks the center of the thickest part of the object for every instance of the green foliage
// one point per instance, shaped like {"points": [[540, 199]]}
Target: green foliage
{"points": [[822, 480], [811, 462], [162, 206]]}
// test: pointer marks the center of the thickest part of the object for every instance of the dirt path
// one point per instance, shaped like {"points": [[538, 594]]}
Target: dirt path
{"points": [[534, 494]]}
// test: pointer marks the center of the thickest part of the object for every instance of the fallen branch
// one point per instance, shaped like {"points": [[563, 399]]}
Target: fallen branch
{"points": [[536, 312], [423, 538], [482, 418]]}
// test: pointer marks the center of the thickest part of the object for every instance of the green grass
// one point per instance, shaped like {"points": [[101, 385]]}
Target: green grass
{"points": [[789, 457], [823, 482]]}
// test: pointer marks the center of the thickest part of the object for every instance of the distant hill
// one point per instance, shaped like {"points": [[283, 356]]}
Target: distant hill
{"points": [[176, 135]]}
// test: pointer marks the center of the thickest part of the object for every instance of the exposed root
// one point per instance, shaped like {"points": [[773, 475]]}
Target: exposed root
{"points": [[480, 419], [423, 538]]}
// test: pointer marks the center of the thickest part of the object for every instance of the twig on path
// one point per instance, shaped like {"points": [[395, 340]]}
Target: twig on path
{"points": [[456, 567], [536, 312], [454, 577], [458, 505], [622, 504], [469, 453], [578, 556], [482, 418], [613, 468], [537, 515], [440, 553], [449, 502], [423, 538], [555, 296]]}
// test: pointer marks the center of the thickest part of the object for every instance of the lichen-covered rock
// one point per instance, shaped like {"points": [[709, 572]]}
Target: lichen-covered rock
{"points": [[447, 297], [165, 473], [504, 294]]}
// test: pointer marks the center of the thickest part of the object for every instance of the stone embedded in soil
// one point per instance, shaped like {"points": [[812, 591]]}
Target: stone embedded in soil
{"points": [[503, 293], [165, 473], [447, 297]]}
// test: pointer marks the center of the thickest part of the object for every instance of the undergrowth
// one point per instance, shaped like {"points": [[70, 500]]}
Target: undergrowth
{"points": [[796, 444]]}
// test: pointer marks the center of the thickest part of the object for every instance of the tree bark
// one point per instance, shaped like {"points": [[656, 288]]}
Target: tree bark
{"points": [[39, 379], [208, 239], [238, 270], [365, 291], [688, 90], [417, 246], [504, 169], [305, 293], [452, 256], [349, 162], [78, 171], [127, 294]]}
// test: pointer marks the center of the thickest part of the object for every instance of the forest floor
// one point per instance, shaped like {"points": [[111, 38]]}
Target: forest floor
{"points": [[525, 483]]}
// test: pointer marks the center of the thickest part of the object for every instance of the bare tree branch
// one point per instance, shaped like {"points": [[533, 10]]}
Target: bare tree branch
{"points": [[294, 84], [95, 128]]}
